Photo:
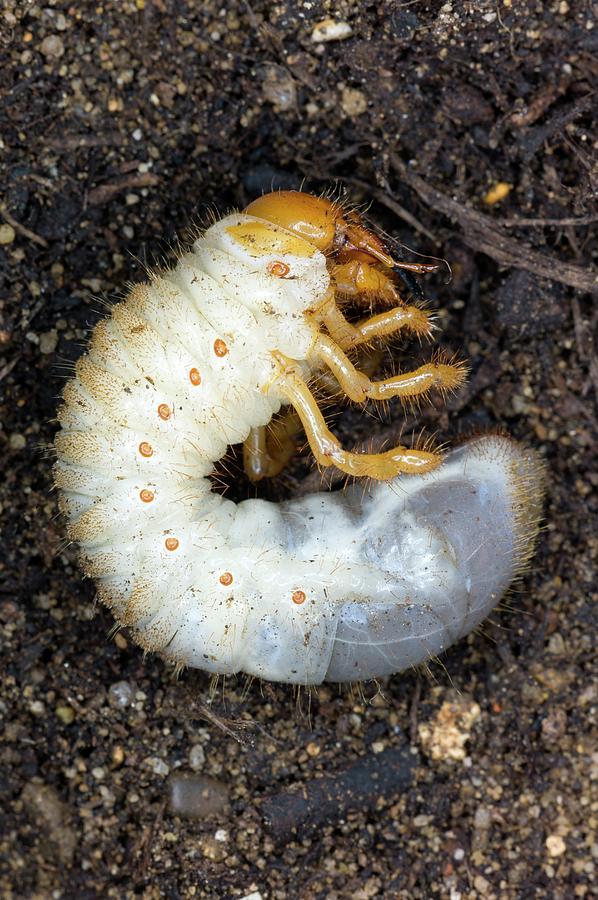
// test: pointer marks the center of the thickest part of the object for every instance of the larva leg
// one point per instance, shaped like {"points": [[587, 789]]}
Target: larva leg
{"points": [[328, 450], [368, 361], [347, 335], [269, 448], [356, 278], [358, 387], [256, 459], [411, 317]]}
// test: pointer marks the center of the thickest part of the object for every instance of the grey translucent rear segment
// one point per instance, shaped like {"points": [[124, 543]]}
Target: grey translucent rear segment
{"points": [[474, 508]]}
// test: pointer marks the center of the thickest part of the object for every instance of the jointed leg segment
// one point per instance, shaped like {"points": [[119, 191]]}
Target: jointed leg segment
{"points": [[347, 335], [359, 388], [328, 450], [269, 448]]}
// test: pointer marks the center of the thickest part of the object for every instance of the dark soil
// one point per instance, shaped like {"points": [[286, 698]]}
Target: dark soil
{"points": [[121, 125]]}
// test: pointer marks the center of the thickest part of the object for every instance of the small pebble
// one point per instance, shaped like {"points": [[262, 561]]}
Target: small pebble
{"points": [[120, 641], [157, 765], [482, 821], [450, 729], [7, 234], [482, 818], [554, 726], [482, 885], [52, 46], [421, 821], [353, 102], [37, 708], [117, 756], [195, 796], [278, 88], [497, 193], [329, 30], [65, 713], [48, 341], [197, 757], [213, 849], [17, 441], [107, 795], [555, 845], [556, 644], [120, 695]]}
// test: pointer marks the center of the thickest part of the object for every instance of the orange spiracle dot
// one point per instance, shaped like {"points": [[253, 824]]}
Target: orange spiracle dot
{"points": [[226, 578], [146, 449], [194, 377], [171, 543], [298, 597], [220, 348], [164, 411], [278, 269], [146, 496]]}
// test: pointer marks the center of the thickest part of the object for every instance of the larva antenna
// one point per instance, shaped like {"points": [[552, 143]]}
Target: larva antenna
{"points": [[440, 260]]}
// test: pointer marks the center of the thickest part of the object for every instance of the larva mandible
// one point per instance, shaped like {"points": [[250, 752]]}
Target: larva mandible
{"points": [[332, 586]]}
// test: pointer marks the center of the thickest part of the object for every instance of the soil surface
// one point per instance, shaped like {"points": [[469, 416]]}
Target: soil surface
{"points": [[468, 128]]}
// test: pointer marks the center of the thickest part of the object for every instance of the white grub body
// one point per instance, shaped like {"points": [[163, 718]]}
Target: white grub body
{"points": [[341, 586]]}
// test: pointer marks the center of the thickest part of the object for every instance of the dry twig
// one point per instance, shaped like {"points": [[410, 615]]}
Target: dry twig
{"points": [[481, 233], [26, 232], [365, 784], [106, 192]]}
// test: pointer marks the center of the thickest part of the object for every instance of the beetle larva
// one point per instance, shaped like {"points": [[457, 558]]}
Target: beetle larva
{"points": [[333, 586]]}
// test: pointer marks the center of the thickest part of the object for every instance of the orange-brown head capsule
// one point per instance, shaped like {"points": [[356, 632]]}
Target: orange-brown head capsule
{"points": [[312, 218], [327, 226]]}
